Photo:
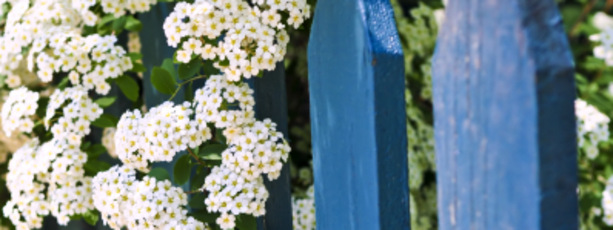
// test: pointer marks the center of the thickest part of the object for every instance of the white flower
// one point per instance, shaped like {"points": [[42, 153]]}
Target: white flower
{"points": [[592, 127], [124, 201], [17, 109]]}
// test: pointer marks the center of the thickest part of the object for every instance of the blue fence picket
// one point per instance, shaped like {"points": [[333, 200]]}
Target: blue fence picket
{"points": [[271, 102], [358, 116], [504, 122]]}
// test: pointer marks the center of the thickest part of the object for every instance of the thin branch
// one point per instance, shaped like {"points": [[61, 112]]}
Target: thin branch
{"points": [[586, 10], [183, 83], [191, 153], [608, 5]]}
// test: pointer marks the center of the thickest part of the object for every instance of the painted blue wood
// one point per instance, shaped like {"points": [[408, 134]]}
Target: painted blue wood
{"points": [[504, 121], [358, 116], [271, 102]]}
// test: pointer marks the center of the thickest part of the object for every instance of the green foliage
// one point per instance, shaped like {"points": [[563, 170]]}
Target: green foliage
{"points": [[163, 81], [188, 70], [105, 101], [182, 170], [105, 121], [128, 87], [246, 222], [159, 173]]}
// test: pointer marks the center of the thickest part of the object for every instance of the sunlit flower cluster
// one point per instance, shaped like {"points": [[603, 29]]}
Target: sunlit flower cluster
{"points": [[254, 36], [125, 201], [231, 194], [44, 37], [605, 49], [214, 103], [254, 148], [119, 8], [20, 105], [303, 211], [592, 127], [158, 135], [47, 179], [77, 113], [607, 202]]}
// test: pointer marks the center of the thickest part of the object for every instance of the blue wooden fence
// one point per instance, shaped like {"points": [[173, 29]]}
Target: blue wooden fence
{"points": [[356, 81], [504, 122]]}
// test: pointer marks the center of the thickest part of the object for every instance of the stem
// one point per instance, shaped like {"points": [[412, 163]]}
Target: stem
{"points": [[183, 83], [586, 10], [191, 153], [192, 192]]}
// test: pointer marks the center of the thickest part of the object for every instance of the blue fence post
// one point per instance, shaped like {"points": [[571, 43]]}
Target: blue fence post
{"points": [[356, 81], [271, 102], [504, 122]]}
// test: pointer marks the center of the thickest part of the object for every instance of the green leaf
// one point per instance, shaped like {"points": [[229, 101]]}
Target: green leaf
{"points": [[105, 121], [198, 179], [209, 69], [95, 150], [188, 70], [169, 66], [159, 173], [212, 151], [163, 81], [182, 170], [93, 166], [62, 85], [138, 67], [205, 216], [128, 87], [42, 106], [197, 201], [105, 20], [105, 101], [246, 222], [133, 24], [91, 217], [119, 23], [135, 56]]}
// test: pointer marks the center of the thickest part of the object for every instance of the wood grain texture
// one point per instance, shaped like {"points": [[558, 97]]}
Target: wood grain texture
{"points": [[271, 102], [358, 117], [504, 117]]}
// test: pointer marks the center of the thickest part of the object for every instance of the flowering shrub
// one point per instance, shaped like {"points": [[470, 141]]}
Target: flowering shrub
{"points": [[58, 55]]}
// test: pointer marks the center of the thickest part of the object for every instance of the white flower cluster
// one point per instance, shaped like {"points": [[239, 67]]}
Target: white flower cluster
{"points": [[255, 148], [47, 179], [607, 202], [254, 36], [214, 100], [78, 111], [592, 127], [124, 201], [605, 49], [20, 105], [44, 37], [52, 175], [89, 61], [165, 130], [303, 211], [119, 8], [231, 194]]}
